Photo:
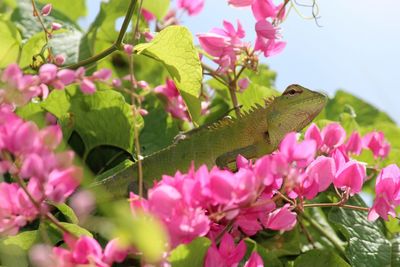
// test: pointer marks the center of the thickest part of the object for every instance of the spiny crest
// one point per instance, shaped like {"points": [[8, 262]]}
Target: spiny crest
{"points": [[226, 122]]}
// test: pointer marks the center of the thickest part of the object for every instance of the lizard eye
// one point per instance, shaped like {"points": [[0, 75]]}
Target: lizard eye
{"points": [[293, 90]]}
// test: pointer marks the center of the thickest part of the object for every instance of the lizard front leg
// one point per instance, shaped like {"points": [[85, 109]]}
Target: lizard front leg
{"points": [[226, 160]]}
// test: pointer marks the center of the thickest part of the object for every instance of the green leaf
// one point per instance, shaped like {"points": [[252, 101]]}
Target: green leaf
{"points": [[103, 118], [143, 231], [14, 249], [153, 138], [10, 43], [317, 257], [174, 48], [366, 114], [73, 228], [268, 259], [68, 212], [159, 8], [32, 112], [349, 123], [66, 41], [23, 240], [278, 245], [31, 48], [367, 244], [73, 9], [192, 254], [396, 251]]}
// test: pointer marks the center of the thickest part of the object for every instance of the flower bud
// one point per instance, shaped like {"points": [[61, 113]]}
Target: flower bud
{"points": [[46, 10]]}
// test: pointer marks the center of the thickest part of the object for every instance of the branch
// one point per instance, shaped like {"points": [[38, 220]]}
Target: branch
{"points": [[115, 46]]}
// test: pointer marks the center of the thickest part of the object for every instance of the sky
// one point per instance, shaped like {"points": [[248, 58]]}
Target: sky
{"points": [[356, 46]]}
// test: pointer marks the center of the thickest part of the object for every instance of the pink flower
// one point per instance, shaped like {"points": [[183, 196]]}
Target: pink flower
{"points": [[350, 177], [87, 250], [322, 170], [240, 3], [174, 101], [254, 261], [313, 133], [224, 44], [376, 142], [56, 26], [193, 7], [243, 84], [354, 144], [59, 60], [387, 193], [263, 9], [46, 10], [302, 153], [50, 75], [103, 74], [128, 49], [331, 137], [280, 219], [114, 252], [147, 15], [18, 89], [249, 219], [88, 87], [228, 254]]}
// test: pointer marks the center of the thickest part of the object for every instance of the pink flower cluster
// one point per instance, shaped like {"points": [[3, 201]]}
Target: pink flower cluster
{"points": [[17, 88], [333, 138], [86, 250], [228, 254], [173, 100], [203, 202], [387, 193], [27, 156], [225, 45]]}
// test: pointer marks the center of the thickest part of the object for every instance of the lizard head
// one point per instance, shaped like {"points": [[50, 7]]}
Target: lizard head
{"points": [[294, 110]]}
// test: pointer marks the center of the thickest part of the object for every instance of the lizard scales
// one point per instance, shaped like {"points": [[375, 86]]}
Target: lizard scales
{"points": [[255, 133]]}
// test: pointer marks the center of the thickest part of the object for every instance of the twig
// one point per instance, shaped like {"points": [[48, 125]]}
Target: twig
{"points": [[115, 46], [36, 13]]}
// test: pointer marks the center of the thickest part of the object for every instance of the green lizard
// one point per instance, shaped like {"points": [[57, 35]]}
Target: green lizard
{"points": [[252, 135]]}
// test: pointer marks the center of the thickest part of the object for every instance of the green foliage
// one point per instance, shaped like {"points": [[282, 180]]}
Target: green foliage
{"points": [[103, 118], [73, 9], [68, 212], [192, 254], [278, 245], [152, 138], [366, 113], [33, 112], [66, 41], [158, 8], [143, 231], [324, 258], [174, 48], [367, 244], [10, 43], [14, 249], [268, 259]]}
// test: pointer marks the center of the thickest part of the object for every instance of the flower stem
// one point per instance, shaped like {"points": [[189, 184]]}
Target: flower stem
{"points": [[337, 204]]}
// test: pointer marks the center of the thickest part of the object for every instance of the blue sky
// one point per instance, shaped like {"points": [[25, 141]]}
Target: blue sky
{"points": [[356, 49]]}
